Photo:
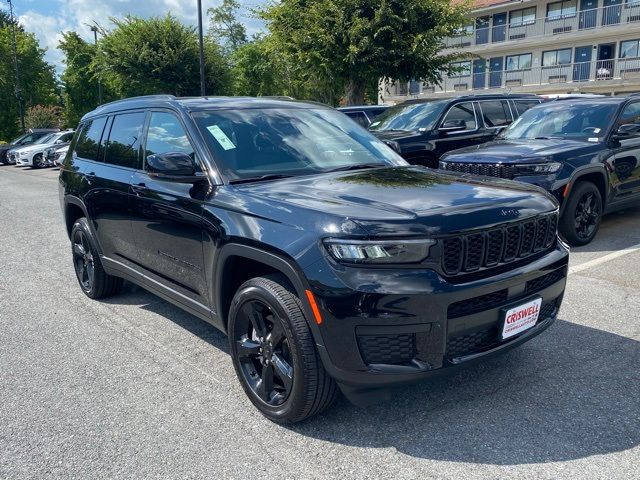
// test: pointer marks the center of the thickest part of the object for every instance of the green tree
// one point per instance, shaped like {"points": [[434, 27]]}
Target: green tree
{"points": [[224, 27], [37, 78], [345, 46], [43, 116], [157, 55]]}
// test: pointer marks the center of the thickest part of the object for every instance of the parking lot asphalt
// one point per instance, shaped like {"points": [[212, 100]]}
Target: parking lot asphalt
{"points": [[133, 387]]}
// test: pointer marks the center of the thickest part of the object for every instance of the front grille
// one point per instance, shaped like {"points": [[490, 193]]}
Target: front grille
{"points": [[476, 342], [488, 169], [545, 281], [477, 304], [473, 251], [388, 349]]}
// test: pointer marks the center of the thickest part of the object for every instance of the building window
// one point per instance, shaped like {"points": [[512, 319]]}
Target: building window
{"points": [[463, 69], [556, 57], [519, 62], [525, 16], [564, 9], [630, 49]]}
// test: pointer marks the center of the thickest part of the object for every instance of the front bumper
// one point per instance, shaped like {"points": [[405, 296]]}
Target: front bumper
{"points": [[23, 162], [386, 327]]}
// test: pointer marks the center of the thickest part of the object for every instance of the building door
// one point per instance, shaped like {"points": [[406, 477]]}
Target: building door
{"points": [[499, 30], [582, 64], [605, 63], [612, 10], [482, 30], [588, 14], [495, 68], [479, 74]]}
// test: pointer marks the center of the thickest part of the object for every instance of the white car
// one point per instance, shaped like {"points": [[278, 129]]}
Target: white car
{"points": [[34, 155], [54, 156]]}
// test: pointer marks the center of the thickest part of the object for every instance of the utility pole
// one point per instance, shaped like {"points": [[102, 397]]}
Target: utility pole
{"points": [[18, 90], [201, 43], [94, 29]]}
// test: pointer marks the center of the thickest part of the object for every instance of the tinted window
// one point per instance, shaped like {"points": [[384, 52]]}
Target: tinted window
{"points": [[524, 105], [630, 115], [124, 140], [166, 135], [495, 113], [66, 137], [409, 116], [289, 141], [462, 111], [89, 139], [360, 118]]}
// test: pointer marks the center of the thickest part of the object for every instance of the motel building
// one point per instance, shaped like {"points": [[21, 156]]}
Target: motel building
{"points": [[543, 47]]}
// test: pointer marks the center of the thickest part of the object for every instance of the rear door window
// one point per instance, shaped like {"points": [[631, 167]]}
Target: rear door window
{"points": [[524, 105], [495, 113], [88, 142], [123, 146], [462, 111], [360, 118]]}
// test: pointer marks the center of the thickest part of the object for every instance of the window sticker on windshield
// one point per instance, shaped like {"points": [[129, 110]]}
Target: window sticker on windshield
{"points": [[374, 124], [592, 139], [221, 137], [596, 130]]}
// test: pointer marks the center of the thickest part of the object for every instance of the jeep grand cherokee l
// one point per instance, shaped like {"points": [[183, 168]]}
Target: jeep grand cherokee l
{"points": [[422, 130], [330, 263], [586, 152]]}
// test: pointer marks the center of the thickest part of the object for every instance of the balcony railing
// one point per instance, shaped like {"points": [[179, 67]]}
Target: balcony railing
{"points": [[576, 74], [540, 27]]}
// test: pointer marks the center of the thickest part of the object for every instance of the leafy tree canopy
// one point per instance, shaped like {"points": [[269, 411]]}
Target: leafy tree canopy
{"points": [[224, 27]]}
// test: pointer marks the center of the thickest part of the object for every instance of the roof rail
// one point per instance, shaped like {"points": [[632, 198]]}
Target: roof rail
{"points": [[162, 96]]}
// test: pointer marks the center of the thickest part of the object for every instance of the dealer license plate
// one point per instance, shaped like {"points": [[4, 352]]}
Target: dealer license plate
{"points": [[520, 318]]}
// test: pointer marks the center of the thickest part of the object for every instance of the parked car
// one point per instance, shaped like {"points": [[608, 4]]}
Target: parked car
{"points": [[328, 260], [55, 155], [565, 96], [364, 114], [34, 155], [425, 129], [585, 152], [26, 139]]}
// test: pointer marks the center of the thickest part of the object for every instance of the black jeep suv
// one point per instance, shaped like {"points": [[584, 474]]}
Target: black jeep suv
{"points": [[586, 152], [423, 130], [328, 261]]}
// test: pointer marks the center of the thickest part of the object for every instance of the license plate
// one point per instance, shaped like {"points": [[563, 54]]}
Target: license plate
{"points": [[521, 318]]}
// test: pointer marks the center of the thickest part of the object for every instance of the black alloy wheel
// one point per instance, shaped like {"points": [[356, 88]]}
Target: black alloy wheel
{"points": [[582, 215], [274, 353], [38, 161], [83, 260], [264, 352]]}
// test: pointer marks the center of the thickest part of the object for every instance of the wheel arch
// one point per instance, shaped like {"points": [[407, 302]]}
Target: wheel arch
{"points": [[596, 175]]}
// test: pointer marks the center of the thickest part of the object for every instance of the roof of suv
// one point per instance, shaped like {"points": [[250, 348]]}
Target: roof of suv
{"points": [[485, 96], [200, 103]]}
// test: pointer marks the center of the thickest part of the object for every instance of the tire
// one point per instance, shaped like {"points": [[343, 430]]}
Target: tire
{"points": [[38, 161], [92, 278], [582, 230], [268, 332]]}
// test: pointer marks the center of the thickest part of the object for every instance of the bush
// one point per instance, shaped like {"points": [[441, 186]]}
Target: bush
{"points": [[43, 116]]}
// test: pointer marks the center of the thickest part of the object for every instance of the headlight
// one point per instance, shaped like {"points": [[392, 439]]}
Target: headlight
{"points": [[442, 165], [537, 168], [379, 251], [24, 154]]}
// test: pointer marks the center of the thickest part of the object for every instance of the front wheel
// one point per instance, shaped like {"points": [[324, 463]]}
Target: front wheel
{"points": [[582, 216], [38, 161], [274, 354]]}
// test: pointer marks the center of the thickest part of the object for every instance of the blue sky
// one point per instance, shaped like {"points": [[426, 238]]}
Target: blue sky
{"points": [[49, 18]]}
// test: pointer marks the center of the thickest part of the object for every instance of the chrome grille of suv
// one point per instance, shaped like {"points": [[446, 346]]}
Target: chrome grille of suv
{"points": [[488, 169], [473, 251]]}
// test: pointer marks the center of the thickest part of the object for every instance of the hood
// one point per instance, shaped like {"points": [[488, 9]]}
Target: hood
{"points": [[513, 151], [396, 134], [404, 200]]}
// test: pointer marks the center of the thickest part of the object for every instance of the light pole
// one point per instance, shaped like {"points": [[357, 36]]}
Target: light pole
{"points": [[18, 90], [201, 44], [94, 29]]}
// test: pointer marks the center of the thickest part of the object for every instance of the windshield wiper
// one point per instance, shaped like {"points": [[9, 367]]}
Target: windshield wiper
{"points": [[261, 178], [357, 166]]}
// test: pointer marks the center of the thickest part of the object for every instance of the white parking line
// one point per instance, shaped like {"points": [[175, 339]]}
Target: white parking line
{"points": [[601, 260]]}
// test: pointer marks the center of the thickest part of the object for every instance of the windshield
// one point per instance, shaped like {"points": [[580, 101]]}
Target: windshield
{"points": [[250, 143], [410, 116], [580, 121], [46, 139]]}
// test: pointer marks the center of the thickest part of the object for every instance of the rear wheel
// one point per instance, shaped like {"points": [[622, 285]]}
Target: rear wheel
{"points": [[93, 280], [582, 215], [274, 354]]}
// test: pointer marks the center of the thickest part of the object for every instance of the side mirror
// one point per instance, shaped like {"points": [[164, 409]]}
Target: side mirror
{"points": [[172, 167], [627, 131], [453, 126]]}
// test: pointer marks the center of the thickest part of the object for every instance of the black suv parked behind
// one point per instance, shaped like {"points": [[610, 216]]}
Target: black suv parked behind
{"points": [[586, 152], [327, 260], [425, 129]]}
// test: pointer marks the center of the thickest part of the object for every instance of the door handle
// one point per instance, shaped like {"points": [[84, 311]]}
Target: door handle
{"points": [[139, 188]]}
